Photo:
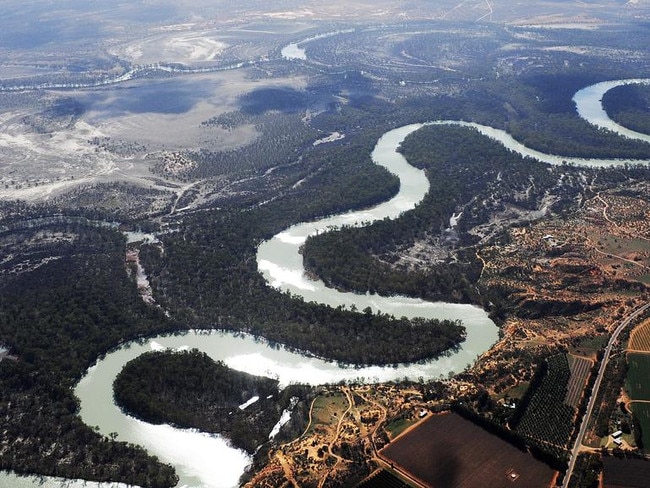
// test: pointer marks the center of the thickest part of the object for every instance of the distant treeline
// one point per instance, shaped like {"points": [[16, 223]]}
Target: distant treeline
{"points": [[629, 105]]}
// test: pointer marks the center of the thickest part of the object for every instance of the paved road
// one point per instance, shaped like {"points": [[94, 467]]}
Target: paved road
{"points": [[594, 392]]}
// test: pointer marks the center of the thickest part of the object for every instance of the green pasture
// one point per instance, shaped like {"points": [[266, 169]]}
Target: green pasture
{"points": [[638, 376]]}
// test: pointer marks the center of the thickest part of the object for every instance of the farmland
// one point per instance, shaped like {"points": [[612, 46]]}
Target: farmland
{"points": [[636, 382], [445, 458], [641, 411], [625, 473], [640, 338], [547, 418], [637, 376], [383, 479], [579, 368]]}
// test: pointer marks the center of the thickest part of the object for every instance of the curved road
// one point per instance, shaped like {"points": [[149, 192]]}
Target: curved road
{"points": [[594, 392]]}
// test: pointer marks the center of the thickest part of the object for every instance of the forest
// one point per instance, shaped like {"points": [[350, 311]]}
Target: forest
{"points": [[56, 320], [65, 299], [190, 390], [629, 105], [467, 174], [220, 285]]}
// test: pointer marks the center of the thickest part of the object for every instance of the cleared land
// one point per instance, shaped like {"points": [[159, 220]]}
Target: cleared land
{"points": [[447, 450], [326, 411]]}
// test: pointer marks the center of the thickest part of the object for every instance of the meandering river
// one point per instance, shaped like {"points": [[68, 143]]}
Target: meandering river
{"points": [[208, 461], [193, 453]]}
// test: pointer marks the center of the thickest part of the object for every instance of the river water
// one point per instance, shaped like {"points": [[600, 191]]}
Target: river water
{"points": [[208, 461], [193, 453]]}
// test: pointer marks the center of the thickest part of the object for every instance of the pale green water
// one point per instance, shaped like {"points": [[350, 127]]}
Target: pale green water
{"points": [[195, 454]]}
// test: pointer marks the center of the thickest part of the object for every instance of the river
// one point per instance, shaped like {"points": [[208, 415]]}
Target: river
{"points": [[193, 453], [295, 51]]}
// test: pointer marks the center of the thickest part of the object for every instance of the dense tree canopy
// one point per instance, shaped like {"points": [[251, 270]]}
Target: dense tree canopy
{"points": [[188, 389], [57, 320]]}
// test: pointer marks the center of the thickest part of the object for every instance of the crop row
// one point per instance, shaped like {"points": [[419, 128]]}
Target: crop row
{"points": [[640, 338], [548, 418], [580, 368], [637, 376]]}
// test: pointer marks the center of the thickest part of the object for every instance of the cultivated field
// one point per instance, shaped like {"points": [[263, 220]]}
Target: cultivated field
{"points": [[579, 368], [625, 473], [383, 479], [447, 450], [637, 376], [640, 338], [641, 411], [548, 418]]}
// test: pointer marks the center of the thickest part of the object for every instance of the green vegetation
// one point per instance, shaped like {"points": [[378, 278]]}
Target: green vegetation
{"points": [[542, 415], [588, 345], [190, 390], [327, 409], [466, 171], [586, 473], [637, 387], [637, 376], [608, 393], [579, 139], [629, 105], [281, 141], [517, 391], [641, 411], [543, 116], [55, 316], [218, 284], [396, 427], [208, 272]]}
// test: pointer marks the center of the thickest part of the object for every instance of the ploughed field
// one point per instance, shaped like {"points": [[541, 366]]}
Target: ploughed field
{"points": [[625, 473], [447, 450]]}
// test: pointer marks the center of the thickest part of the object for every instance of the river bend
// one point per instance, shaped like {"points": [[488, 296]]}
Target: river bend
{"points": [[193, 453]]}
